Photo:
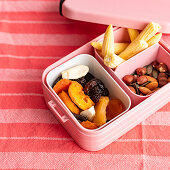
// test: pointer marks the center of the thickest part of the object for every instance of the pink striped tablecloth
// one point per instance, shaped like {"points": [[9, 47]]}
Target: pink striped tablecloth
{"points": [[32, 36]]}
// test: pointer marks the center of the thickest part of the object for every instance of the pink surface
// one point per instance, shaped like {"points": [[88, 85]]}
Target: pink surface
{"points": [[128, 14], [30, 136]]}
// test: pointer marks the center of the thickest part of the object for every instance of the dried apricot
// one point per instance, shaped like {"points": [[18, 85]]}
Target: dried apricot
{"points": [[61, 85], [77, 95], [89, 125], [100, 108], [114, 108], [67, 101]]}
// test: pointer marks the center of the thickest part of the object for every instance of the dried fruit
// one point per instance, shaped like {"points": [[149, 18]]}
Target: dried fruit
{"points": [[114, 108], [80, 117], [67, 101], [141, 71], [88, 77], [81, 80], [162, 68], [144, 90], [77, 95], [149, 69], [89, 113], [100, 108], [152, 85], [89, 86], [128, 79], [155, 74], [58, 79], [89, 125], [132, 89], [162, 81], [62, 85], [142, 80], [95, 94]]}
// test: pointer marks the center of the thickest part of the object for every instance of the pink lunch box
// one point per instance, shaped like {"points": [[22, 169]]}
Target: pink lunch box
{"points": [[141, 108]]}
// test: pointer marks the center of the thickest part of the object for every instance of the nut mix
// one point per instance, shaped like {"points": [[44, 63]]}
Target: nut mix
{"points": [[87, 97], [148, 79]]}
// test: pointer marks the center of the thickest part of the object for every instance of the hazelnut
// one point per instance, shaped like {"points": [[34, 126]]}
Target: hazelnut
{"points": [[162, 68], [162, 81], [128, 79], [154, 64], [141, 71], [162, 75], [142, 80]]}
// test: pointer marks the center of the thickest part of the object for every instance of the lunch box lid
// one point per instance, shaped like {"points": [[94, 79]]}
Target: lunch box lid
{"points": [[121, 13]]}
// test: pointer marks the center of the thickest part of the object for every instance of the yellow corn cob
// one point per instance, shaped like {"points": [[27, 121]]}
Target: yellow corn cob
{"points": [[97, 45], [108, 42], [118, 47], [112, 60], [155, 39], [133, 33], [150, 30], [133, 50]]}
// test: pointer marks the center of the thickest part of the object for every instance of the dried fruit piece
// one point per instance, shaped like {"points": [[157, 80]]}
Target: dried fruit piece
{"points": [[142, 80], [77, 95], [95, 94], [75, 72], [58, 79], [149, 69], [89, 125], [92, 83], [100, 108], [80, 117], [114, 108], [141, 71], [155, 74], [89, 113], [132, 89], [162, 81], [62, 85], [128, 79], [67, 101], [88, 77], [162, 68], [152, 85], [144, 90]]}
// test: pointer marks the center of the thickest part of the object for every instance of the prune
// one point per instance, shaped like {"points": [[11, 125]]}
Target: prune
{"points": [[80, 117], [105, 92], [95, 94], [58, 79], [88, 77], [82, 81], [89, 86]]}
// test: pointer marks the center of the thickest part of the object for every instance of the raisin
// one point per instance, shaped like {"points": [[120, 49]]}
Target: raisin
{"points": [[95, 94], [92, 83], [82, 81], [58, 79], [80, 117], [88, 77], [105, 92]]}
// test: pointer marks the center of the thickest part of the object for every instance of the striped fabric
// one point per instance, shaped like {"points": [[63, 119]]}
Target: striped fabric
{"points": [[32, 36]]}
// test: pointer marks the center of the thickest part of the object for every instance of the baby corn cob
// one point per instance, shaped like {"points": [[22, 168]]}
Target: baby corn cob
{"points": [[155, 39], [112, 60], [150, 30], [97, 45], [133, 50], [118, 47], [133, 33], [108, 42]]}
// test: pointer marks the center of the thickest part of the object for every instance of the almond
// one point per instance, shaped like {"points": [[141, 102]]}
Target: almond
{"points": [[153, 91], [153, 85], [144, 90], [142, 79], [151, 78], [132, 89]]}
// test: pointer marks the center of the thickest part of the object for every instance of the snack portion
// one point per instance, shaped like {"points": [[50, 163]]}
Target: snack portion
{"points": [[86, 97], [148, 79], [116, 53]]}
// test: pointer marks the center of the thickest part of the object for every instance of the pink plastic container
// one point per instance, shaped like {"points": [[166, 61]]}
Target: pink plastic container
{"points": [[93, 140], [155, 52]]}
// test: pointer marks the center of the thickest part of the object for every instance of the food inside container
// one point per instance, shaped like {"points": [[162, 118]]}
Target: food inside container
{"points": [[88, 92]]}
